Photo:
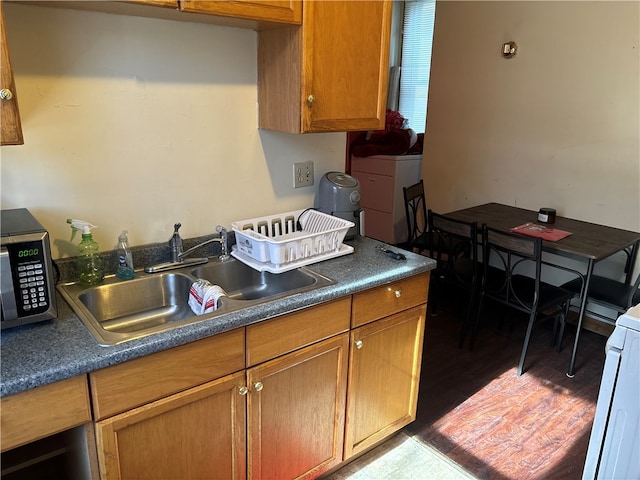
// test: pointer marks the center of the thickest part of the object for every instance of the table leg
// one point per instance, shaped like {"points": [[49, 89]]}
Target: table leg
{"points": [[583, 308]]}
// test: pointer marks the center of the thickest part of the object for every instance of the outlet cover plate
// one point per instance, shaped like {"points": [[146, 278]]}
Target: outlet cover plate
{"points": [[302, 174]]}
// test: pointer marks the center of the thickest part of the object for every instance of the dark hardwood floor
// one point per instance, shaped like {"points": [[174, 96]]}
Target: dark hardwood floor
{"points": [[475, 409]]}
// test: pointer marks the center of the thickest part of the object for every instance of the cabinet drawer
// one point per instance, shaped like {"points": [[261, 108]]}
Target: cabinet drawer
{"points": [[379, 225], [38, 413], [376, 191], [276, 337], [143, 380], [380, 164], [387, 299]]}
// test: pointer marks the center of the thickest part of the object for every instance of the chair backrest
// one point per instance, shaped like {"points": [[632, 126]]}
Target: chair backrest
{"points": [[415, 210], [517, 255], [451, 240]]}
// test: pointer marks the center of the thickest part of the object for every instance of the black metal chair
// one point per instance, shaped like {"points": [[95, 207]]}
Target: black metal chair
{"points": [[609, 293], [416, 212], [514, 280], [457, 261]]}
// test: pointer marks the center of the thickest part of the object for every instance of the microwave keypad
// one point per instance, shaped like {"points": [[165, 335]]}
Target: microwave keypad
{"points": [[33, 288]]}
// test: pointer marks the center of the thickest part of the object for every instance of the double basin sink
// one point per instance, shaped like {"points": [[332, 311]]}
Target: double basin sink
{"points": [[121, 310]]}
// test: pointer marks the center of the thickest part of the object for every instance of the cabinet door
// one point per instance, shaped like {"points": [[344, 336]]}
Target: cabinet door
{"points": [[331, 74], [281, 11], [198, 433], [10, 127], [296, 408], [384, 375], [346, 63]]}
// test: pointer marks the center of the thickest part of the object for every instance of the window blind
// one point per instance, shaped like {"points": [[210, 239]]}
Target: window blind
{"points": [[417, 39]]}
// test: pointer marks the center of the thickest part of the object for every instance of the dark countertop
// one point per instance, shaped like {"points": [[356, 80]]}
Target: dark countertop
{"points": [[38, 354]]}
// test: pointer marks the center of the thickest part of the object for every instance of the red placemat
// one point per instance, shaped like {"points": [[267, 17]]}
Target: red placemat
{"points": [[541, 231]]}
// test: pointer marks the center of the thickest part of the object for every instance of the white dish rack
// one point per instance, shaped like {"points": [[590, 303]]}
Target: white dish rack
{"points": [[289, 240]]}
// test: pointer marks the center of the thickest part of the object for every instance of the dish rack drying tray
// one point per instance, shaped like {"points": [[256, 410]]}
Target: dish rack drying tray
{"points": [[289, 240]]}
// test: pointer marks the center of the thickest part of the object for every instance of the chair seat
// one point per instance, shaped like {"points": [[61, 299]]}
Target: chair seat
{"points": [[421, 242], [463, 272], [606, 291]]}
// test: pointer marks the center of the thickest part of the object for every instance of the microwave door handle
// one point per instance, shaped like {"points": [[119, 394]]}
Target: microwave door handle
{"points": [[9, 308]]}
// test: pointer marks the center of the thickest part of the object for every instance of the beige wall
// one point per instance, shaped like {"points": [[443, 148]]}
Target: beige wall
{"points": [[557, 125], [136, 123]]}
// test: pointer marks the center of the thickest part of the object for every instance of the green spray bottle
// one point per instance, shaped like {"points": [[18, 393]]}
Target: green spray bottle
{"points": [[88, 262]]}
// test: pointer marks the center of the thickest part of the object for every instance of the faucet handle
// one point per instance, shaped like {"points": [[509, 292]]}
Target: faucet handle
{"points": [[175, 242], [175, 238]]}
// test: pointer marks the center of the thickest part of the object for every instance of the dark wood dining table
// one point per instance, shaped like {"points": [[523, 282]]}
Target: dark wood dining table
{"points": [[588, 243]]}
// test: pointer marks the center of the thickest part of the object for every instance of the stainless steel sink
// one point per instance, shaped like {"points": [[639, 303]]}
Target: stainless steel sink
{"points": [[121, 310], [241, 282], [139, 304]]}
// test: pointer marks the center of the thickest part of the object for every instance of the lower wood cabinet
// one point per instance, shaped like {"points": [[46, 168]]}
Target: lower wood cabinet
{"points": [[294, 405], [296, 409], [47, 432], [384, 375], [308, 390], [43, 411], [199, 433]]}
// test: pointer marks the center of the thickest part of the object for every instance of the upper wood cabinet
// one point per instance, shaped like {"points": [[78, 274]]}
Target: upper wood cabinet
{"points": [[10, 127], [157, 3], [284, 11], [330, 74], [251, 14]]}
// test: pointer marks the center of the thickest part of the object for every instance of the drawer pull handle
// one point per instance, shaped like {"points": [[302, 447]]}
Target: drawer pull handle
{"points": [[6, 94], [358, 344], [258, 386], [243, 390], [396, 292]]}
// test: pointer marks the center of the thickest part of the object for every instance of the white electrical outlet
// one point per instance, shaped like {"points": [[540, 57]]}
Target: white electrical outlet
{"points": [[302, 174]]}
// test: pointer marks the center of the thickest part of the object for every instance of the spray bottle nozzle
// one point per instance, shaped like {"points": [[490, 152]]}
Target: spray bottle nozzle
{"points": [[76, 225]]}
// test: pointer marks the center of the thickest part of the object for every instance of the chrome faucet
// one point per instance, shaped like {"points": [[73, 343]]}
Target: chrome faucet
{"points": [[222, 239], [178, 255]]}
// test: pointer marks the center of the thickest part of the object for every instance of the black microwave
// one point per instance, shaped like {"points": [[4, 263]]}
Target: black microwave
{"points": [[27, 285]]}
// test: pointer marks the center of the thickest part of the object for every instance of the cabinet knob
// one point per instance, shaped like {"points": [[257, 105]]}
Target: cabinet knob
{"points": [[258, 386], [5, 94], [243, 390], [358, 344], [310, 99], [396, 292]]}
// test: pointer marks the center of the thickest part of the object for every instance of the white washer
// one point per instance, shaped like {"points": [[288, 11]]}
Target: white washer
{"points": [[614, 446]]}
